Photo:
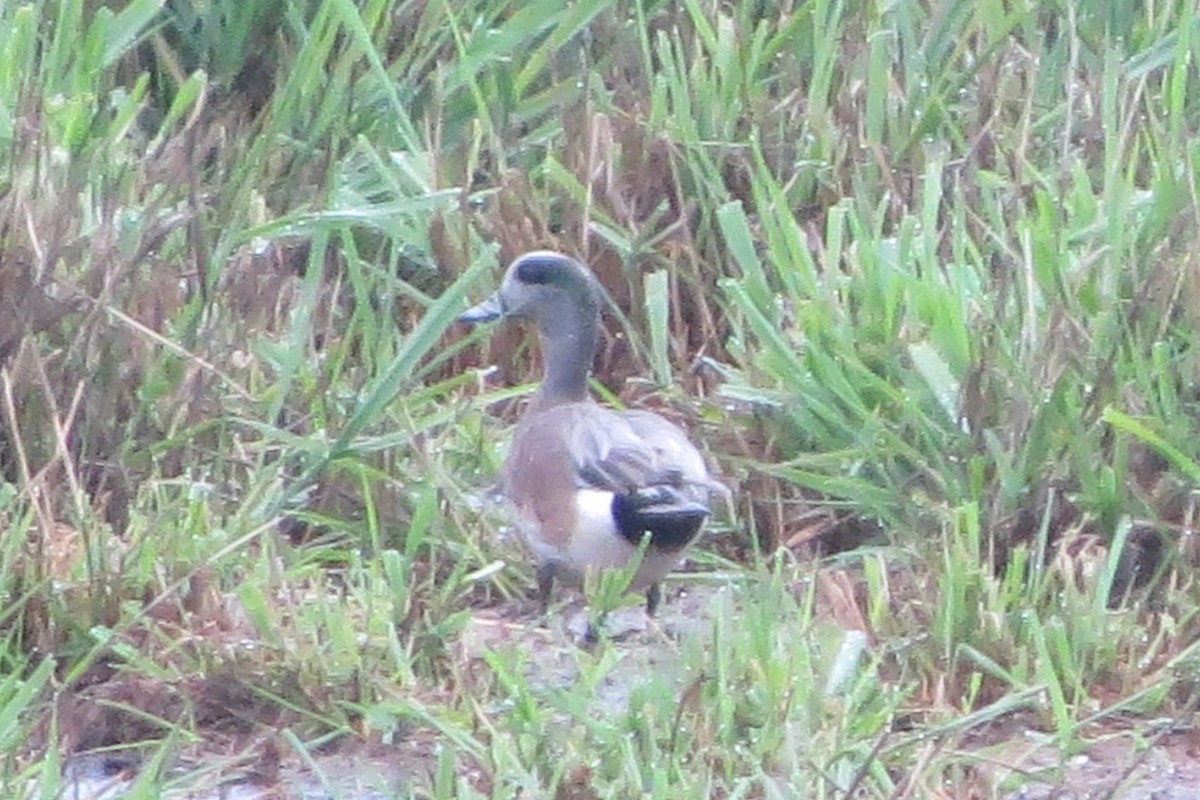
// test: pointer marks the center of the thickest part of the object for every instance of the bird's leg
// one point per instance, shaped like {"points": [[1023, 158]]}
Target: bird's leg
{"points": [[545, 583], [653, 597]]}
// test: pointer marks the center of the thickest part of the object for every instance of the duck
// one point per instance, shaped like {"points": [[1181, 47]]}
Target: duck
{"points": [[590, 484]]}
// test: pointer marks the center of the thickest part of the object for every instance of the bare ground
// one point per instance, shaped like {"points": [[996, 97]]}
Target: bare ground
{"points": [[1013, 762]]}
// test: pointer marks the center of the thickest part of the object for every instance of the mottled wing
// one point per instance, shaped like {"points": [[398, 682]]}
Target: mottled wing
{"points": [[670, 444], [631, 450], [609, 454]]}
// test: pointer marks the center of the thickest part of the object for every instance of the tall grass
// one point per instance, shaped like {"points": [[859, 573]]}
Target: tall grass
{"points": [[918, 276]]}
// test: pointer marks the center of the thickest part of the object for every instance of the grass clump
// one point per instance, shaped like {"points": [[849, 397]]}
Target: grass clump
{"points": [[917, 277]]}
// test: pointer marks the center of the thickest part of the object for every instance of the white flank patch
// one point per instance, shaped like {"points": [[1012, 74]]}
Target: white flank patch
{"points": [[597, 543]]}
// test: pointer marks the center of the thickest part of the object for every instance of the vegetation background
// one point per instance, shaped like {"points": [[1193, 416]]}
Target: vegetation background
{"points": [[921, 276]]}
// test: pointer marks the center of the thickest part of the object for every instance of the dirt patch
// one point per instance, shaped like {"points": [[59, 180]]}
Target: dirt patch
{"points": [[1121, 767], [1009, 760]]}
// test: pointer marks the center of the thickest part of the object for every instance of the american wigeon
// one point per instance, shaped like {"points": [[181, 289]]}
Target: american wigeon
{"points": [[590, 483]]}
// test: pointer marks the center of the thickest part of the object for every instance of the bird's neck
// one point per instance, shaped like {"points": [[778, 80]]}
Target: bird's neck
{"points": [[568, 346]]}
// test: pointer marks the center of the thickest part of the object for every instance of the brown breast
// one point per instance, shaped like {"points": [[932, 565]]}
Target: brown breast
{"points": [[540, 478]]}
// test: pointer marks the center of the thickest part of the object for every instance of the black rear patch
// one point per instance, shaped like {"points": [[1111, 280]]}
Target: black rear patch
{"points": [[671, 519]]}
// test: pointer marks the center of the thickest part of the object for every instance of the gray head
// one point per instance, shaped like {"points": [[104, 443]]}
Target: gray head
{"points": [[553, 291], [561, 298]]}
